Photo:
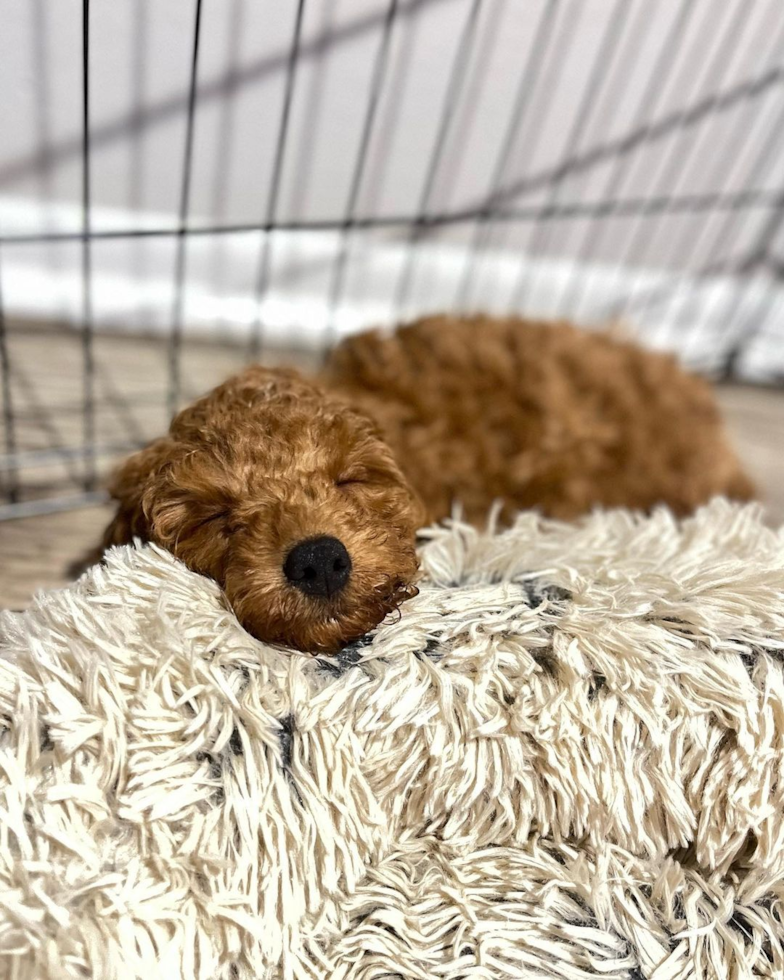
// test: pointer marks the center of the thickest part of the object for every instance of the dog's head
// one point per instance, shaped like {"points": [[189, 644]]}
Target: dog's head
{"points": [[291, 501]]}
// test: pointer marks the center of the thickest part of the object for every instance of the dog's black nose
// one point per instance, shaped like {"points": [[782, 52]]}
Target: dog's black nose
{"points": [[318, 567]]}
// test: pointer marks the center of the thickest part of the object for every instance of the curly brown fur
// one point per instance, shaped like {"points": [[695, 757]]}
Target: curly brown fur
{"points": [[446, 410], [537, 415], [262, 463]]}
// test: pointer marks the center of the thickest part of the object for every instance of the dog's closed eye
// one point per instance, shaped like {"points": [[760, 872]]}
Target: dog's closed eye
{"points": [[221, 515], [352, 478]]}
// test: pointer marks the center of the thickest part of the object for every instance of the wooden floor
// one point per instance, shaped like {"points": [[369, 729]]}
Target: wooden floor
{"points": [[130, 381]]}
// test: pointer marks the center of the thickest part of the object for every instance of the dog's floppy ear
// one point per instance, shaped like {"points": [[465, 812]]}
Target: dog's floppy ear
{"points": [[127, 486], [177, 496]]}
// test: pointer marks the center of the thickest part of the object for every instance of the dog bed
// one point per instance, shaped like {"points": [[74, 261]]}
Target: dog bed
{"points": [[563, 760]]}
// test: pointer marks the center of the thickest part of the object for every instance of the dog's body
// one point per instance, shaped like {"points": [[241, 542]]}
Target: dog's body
{"points": [[537, 415], [302, 499]]}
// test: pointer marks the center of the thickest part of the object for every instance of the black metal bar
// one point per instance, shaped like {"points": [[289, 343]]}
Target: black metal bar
{"points": [[747, 89], [120, 404], [484, 59], [555, 64], [388, 128], [88, 354], [180, 261], [630, 207], [721, 61], [51, 505], [690, 240], [137, 173], [720, 166], [224, 144], [535, 58], [599, 75], [614, 99], [544, 82], [9, 418], [34, 458], [764, 165], [744, 341], [759, 255], [662, 68], [655, 295], [339, 267], [138, 88], [265, 254], [387, 133], [454, 88], [625, 207], [303, 165], [41, 59], [775, 312], [31, 412]]}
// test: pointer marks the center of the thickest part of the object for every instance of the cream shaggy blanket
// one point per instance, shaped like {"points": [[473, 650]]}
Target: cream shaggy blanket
{"points": [[564, 760]]}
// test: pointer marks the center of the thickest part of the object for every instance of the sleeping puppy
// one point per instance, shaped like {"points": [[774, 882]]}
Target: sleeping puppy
{"points": [[302, 498]]}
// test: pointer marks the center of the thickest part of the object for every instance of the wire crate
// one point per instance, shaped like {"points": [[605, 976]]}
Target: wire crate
{"points": [[190, 185]]}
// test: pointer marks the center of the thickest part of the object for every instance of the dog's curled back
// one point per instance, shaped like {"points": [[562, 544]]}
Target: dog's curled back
{"points": [[537, 415]]}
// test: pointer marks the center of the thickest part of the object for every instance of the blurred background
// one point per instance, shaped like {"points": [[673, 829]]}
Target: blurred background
{"points": [[188, 185]]}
